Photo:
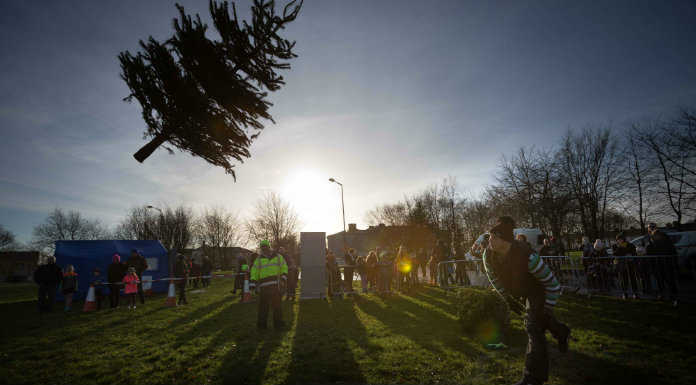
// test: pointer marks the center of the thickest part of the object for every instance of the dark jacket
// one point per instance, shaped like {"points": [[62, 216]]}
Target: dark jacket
{"points": [[621, 251], [586, 249], [547, 251], [195, 269], [598, 253], [139, 263], [207, 267], [48, 274], [180, 270], [513, 271], [660, 244], [293, 275], [361, 265], [116, 272]]}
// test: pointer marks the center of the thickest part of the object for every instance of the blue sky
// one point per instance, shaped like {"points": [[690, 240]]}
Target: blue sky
{"points": [[385, 96]]}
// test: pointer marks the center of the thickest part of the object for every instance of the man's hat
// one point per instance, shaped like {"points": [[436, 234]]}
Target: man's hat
{"points": [[265, 242], [504, 229]]}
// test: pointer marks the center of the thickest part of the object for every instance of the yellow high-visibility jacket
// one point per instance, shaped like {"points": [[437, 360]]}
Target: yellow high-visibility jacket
{"points": [[268, 271]]}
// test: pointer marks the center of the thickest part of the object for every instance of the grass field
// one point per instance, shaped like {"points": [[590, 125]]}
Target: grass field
{"points": [[405, 339]]}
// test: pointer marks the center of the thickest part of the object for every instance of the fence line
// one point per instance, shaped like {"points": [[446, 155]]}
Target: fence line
{"points": [[638, 276]]}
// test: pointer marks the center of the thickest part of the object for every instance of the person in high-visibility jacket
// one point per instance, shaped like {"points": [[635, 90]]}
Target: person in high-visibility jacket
{"points": [[269, 274]]}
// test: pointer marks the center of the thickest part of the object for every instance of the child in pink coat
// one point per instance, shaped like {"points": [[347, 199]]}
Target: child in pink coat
{"points": [[131, 281]]}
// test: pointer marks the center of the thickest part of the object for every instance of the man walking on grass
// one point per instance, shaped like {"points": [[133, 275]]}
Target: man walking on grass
{"points": [[269, 273], [518, 272]]}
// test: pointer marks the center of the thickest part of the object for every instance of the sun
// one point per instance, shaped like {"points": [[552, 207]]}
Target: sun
{"points": [[317, 200]]}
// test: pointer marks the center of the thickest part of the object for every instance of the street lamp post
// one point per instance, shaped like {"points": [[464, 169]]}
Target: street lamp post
{"points": [[343, 207], [161, 222]]}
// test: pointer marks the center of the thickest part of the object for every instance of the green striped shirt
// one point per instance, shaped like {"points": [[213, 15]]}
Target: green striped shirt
{"points": [[537, 268]]}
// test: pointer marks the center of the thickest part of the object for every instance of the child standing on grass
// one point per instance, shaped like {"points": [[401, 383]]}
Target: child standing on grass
{"points": [[98, 286], [131, 281], [68, 286]]}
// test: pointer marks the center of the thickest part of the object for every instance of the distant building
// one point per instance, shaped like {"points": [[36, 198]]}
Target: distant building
{"points": [[222, 257], [364, 241], [18, 266]]}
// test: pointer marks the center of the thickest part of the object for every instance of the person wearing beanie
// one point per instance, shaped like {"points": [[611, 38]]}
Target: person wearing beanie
{"points": [[517, 272], [117, 270]]}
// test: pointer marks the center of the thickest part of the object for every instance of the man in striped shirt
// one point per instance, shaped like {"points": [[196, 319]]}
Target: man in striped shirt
{"points": [[517, 272]]}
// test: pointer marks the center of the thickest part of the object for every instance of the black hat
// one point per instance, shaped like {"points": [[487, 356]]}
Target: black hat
{"points": [[504, 229], [621, 235]]}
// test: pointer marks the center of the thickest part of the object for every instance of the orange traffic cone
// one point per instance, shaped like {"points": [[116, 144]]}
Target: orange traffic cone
{"points": [[246, 295], [90, 303], [171, 295]]}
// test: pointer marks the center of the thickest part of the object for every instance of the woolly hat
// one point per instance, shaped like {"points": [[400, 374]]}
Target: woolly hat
{"points": [[116, 258], [621, 235], [504, 229]]}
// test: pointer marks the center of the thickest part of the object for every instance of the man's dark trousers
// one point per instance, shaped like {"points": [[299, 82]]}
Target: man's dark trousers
{"points": [[270, 296], [536, 369], [46, 295]]}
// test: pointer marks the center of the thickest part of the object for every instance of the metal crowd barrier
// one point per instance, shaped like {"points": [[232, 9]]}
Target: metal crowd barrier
{"points": [[631, 276], [378, 280], [653, 276], [471, 272]]}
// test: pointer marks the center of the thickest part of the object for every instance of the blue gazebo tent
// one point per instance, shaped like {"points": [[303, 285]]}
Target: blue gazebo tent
{"points": [[85, 256]]}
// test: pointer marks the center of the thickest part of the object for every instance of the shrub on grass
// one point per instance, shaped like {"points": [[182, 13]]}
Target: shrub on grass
{"points": [[482, 312]]}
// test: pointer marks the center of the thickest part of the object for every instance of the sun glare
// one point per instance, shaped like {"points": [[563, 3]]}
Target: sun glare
{"points": [[317, 200]]}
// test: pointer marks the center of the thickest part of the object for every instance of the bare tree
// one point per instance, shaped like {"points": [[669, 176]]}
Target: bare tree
{"points": [[177, 227], [70, 226], [275, 220], [218, 228], [174, 227], [140, 223], [7, 240], [590, 160], [476, 218], [388, 214]]}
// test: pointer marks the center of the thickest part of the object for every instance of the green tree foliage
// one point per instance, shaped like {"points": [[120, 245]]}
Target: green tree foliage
{"points": [[207, 97], [482, 311]]}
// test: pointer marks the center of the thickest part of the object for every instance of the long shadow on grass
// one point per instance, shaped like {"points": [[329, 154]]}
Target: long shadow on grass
{"points": [[246, 352], [199, 312], [581, 368], [326, 336], [651, 325], [420, 324]]}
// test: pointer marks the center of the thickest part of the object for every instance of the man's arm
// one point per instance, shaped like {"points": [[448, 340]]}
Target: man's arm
{"points": [[495, 281], [543, 274], [283, 270], [255, 272]]}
